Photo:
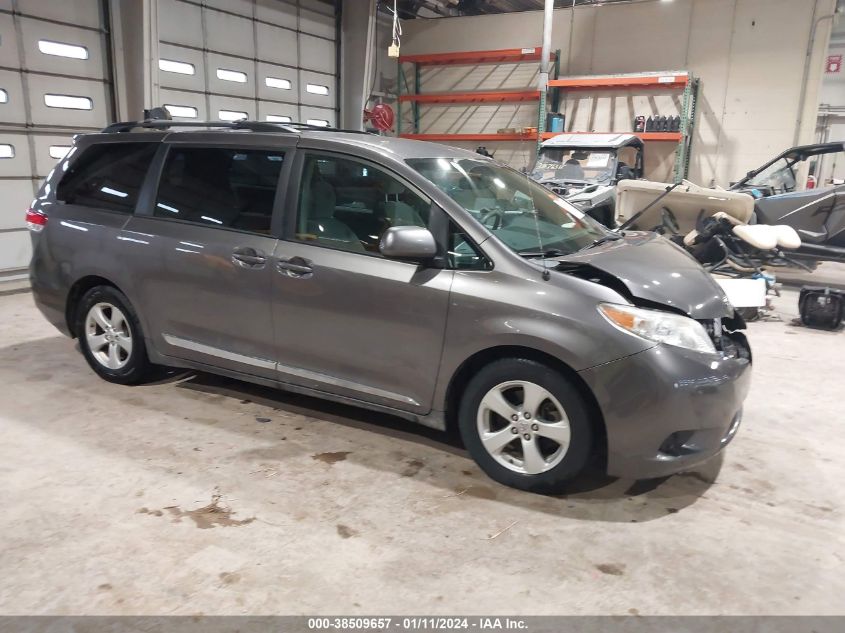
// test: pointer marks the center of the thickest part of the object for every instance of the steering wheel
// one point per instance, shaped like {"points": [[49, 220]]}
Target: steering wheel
{"points": [[492, 218]]}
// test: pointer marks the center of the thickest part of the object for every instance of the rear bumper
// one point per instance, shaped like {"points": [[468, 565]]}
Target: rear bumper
{"points": [[668, 409], [50, 303]]}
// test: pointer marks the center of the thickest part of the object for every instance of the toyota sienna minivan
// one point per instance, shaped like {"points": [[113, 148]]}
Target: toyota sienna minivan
{"points": [[406, 277]]}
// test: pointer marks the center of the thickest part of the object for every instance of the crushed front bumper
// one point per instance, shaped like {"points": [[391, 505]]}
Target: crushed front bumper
{"points": [[668, 409]]}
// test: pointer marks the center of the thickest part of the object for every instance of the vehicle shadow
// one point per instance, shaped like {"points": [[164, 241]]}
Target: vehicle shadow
{"points": [[593, 496], [431, 457]]}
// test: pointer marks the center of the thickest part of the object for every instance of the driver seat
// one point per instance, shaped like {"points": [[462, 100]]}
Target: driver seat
{"points": [[396, 212]]}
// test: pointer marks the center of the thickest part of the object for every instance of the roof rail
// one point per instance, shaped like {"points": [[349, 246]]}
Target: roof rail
{"points": [[253, 126]]}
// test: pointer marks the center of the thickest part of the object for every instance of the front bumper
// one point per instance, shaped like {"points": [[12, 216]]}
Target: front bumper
{"points": [[668, 409]]}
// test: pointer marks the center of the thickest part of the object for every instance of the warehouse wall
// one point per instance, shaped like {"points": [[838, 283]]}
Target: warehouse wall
{"points": [[749, 54], [833, 129]]}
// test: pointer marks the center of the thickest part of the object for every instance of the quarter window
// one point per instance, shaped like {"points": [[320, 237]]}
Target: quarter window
{"points": [[107, 176], [348, 205], [222, 187]]}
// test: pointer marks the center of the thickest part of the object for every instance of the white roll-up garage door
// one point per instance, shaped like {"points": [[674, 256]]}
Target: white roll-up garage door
{"points": [[271, 60], [54, 82]]}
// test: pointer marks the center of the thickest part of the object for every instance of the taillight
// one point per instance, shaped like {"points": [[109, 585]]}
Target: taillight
{"points": [[35, 220]]}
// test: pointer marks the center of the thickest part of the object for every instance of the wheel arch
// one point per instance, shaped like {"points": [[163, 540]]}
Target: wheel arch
{"points": [[480, 359], [77, 291]]}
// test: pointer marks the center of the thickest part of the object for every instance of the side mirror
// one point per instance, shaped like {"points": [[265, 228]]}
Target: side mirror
{"points": [[408, 242]]}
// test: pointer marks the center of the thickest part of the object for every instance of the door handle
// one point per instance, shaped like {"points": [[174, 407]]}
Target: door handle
{"points": [[248, 257], [298, 267]]}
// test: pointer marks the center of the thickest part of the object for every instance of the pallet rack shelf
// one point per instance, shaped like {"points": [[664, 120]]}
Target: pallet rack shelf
{"points": [[412, 94], [673, 80]]}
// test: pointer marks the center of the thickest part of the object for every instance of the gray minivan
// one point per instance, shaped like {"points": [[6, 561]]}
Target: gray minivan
{"points": [[407, 277]]}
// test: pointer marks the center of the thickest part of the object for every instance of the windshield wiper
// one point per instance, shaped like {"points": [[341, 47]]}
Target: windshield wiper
{"points": [[610, 237], [552, 252]]}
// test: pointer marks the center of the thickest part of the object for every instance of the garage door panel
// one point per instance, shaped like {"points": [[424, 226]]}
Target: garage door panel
{"points": [[277, 12], [180, 22], [268, 111], [229, 33], [318, 114], [316, 53], [231, 105], [277, 45], [241, 7], [17, 197], [176, 75], [181, 99], [15, 249], [14, 156], [276, 76], [8, 44], [317, 23], [36, 33], [83, 12], [13, 110], [43, 89], [311, 81], [225, 74], [49, 150]]}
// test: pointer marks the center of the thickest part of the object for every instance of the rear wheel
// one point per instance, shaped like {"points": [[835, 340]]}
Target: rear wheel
{"points": [[110, 336], [526, 425]]}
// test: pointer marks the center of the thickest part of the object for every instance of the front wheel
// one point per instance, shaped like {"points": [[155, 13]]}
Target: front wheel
{"points": [[110, 336], [526, 425]]}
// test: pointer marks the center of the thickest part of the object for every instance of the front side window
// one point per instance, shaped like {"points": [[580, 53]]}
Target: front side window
{"points": [[348, 205], [524, 215], [107, 176], [220, 186]]}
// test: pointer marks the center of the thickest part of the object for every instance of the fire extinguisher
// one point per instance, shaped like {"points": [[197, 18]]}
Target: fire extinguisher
{"points": [[811, 182]]}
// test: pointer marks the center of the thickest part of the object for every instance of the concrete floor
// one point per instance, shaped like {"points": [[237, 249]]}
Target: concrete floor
{"points": [[207, 495]]}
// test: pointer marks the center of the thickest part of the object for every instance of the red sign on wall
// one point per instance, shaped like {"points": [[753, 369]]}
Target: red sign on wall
{"points": [[834, 64]]}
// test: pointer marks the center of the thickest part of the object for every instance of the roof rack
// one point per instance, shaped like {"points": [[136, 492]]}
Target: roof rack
{"points": [[253, 126]]}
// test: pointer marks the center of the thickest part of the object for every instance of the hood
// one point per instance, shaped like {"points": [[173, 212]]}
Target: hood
{"points": [[654, 270]]}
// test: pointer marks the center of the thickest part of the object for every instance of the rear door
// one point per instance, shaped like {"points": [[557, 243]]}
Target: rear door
{"points": [[348, 320], [202, 248]]}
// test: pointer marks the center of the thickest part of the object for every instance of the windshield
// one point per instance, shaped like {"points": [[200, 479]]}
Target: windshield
{"points": [[779, 176], [505, 201], [575, 165]]}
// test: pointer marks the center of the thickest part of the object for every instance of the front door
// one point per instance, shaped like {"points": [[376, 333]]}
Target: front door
{"points": [[206, 281], [349, 321]]}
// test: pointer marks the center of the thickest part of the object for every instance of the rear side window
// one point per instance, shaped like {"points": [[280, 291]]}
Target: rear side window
{"points": [[107, 176], [220, 187]]}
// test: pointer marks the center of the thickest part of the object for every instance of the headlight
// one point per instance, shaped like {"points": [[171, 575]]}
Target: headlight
{"points": [[659, 326]]}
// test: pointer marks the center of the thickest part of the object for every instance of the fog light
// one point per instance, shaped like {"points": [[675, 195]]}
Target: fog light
{"points": [[675, 444]]}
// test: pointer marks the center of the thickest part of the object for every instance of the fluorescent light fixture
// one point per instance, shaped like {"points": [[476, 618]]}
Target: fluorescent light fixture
{"points": [[161, 205], [184, 112], [68, 102], [230, 115], [59, 151], [62, 50], [317, 89], [215, 220], [277, 118], [7, 151], [273, 82], [114, 192], [231, 75], [320, 122], [4, 96], [172, 66]]}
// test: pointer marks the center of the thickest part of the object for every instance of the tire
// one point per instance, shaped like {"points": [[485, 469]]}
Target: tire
{"points": [[557, 427], [110, 336]]}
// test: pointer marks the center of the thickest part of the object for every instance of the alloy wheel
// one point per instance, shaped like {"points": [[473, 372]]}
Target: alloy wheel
{"points": [[108, 335], [523, 427]]}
